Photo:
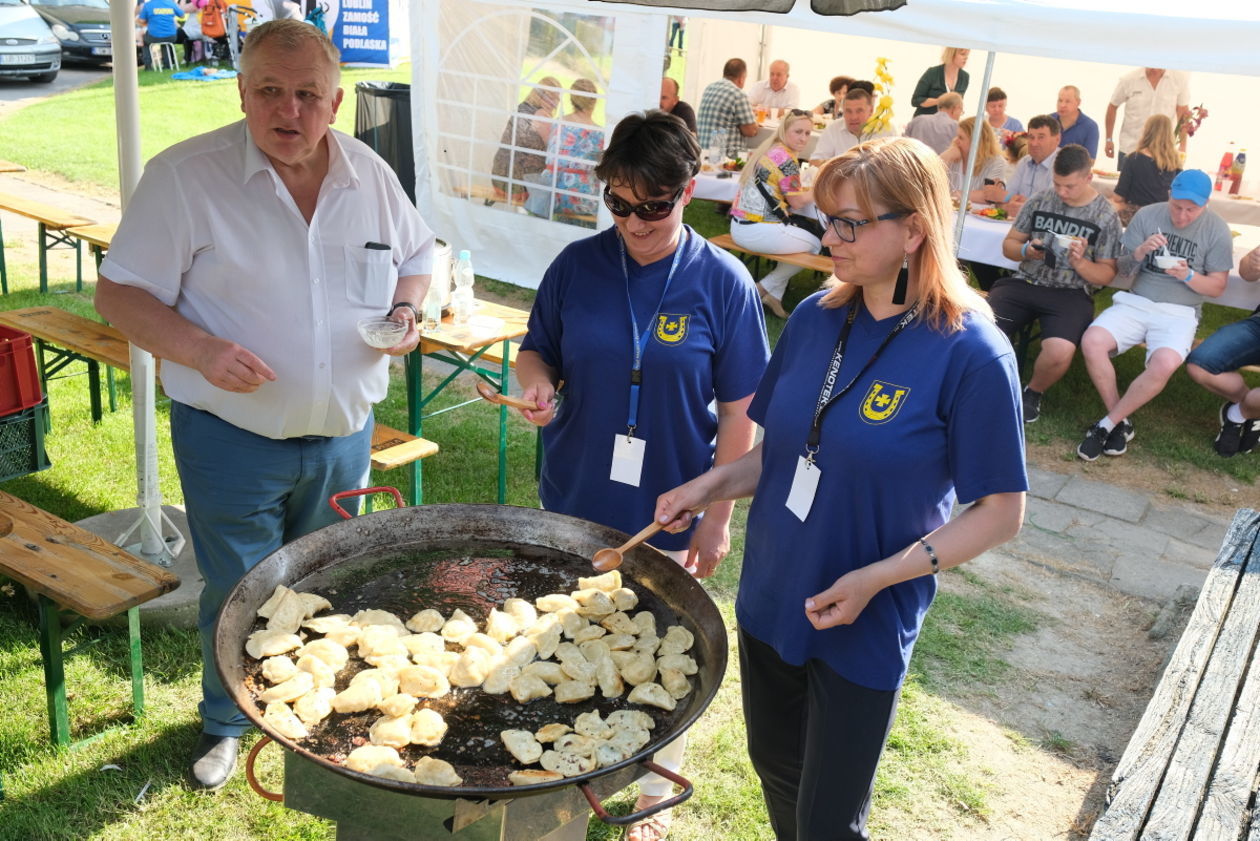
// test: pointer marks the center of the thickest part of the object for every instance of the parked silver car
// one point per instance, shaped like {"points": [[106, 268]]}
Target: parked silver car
{"points": [[27, 46]]}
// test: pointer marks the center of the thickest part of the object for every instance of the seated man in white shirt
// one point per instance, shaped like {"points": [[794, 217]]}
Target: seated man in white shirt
{"points": [[1034, 172], [777, 91], [844, 134], [938, 130]]}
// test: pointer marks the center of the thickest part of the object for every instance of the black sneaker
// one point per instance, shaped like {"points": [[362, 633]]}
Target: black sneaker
{"points": [[1092, 447], [1119, 438], [1032, 405], [1229, 439], [1250, 436]]}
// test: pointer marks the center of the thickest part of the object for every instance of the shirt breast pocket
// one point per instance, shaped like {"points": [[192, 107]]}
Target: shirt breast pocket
{"points": [[370, 276]]}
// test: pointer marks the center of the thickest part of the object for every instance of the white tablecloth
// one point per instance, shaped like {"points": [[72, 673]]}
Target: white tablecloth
{"points": [[982, 243], [1237, 211]]}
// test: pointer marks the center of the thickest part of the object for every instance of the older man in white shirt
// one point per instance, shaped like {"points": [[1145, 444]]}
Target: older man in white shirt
{"points": [[244, 260], [777, 91], [1143, 92], [844, 134]]}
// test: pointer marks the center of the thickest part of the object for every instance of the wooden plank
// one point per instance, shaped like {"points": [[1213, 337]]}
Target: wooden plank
{"points": [[10, 166], [50, 215], [72, 332], [813, 262], [1226, 812], [470, 338], [1141, 768], [393, 448], [73, 567], [97, 235], [1173, 814]]}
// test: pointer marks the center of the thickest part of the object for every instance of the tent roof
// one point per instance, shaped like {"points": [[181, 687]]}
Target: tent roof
{"points": [[1219, 36]]}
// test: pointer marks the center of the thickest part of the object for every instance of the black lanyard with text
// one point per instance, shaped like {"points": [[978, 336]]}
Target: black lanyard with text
{"points": [[826, 397]]}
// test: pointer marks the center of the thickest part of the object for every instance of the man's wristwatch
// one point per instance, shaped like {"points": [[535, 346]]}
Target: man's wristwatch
{"points": [[415, 312]]}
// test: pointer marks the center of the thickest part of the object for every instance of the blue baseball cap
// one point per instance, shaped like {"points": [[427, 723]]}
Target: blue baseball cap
{"points": [[1192, 184]]}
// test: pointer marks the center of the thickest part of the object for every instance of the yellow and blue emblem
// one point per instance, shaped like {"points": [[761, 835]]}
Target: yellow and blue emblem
{"points": [[882, 402], [671, 329]]}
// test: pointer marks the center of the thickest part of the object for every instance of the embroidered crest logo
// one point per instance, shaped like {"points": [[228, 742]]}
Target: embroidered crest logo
{"points": [[882, 402], [671, 329]]}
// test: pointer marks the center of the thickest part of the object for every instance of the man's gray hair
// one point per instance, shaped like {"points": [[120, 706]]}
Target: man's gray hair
{"points": [[949, 101], [290, 34]]}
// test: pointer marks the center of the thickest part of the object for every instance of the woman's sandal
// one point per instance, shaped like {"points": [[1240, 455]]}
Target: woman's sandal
{"points": [[655, 828], [771, 303]]}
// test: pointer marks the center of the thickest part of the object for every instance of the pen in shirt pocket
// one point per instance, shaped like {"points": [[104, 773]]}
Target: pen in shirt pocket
{"points": [[376, 246]]}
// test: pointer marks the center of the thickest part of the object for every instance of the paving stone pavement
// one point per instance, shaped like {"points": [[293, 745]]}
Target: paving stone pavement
{"points": [[1115, 536]]}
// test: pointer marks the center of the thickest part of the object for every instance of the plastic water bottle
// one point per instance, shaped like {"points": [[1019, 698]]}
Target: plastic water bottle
{"points": [[717, 146], [1227, 164], [462, 295], [432, 308]]}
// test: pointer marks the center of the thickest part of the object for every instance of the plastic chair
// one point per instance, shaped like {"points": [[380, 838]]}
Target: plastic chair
{"points": [[164, 55]]}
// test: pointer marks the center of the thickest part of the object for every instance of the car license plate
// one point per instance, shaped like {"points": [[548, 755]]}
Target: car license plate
{"points": [[102, 51], [19, 58]]}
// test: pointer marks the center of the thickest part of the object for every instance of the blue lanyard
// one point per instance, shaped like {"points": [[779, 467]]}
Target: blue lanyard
{"points": [[640, 339]]}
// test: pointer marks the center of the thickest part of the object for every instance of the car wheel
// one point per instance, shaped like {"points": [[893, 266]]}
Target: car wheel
{"points": [[44, 78]]}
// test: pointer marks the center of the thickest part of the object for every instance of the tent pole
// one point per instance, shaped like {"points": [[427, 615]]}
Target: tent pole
{"points": [[152, 547], [971, 153]]}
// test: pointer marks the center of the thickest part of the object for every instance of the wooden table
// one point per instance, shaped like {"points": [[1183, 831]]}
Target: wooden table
{"points": [[484, 348], [1235, 210], [72, 569]]}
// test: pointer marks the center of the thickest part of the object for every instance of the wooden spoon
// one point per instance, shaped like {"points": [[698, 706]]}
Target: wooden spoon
{"points": [[608, 559], [490, 395]]}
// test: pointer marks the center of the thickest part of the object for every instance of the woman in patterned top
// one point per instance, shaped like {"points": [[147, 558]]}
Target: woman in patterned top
{"points": [[572, 153], [764, 218]]}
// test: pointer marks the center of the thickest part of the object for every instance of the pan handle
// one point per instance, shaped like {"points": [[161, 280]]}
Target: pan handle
{"points": [[635, 817], [249, 772], [345, 515]]}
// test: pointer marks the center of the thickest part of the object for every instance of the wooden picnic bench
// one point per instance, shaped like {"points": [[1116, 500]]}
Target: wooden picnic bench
{"points": [[98, 238], [62, 337], [1190, 770], [53, 222], [813, 262], [71, 569], [10, 166]]}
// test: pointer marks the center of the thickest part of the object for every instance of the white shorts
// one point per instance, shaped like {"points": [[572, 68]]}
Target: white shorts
{"points": [[1132, 320]]}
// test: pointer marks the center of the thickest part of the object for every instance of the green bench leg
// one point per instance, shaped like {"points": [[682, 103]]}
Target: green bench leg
{"points": [[43, 258], [137, 660], [4, 290], [113, 391], [413, 368], [54, 671], [504, 383], [94, 389]]}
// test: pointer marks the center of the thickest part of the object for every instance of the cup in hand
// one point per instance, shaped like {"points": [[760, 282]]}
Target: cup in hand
{"points": [[1166, 261]]}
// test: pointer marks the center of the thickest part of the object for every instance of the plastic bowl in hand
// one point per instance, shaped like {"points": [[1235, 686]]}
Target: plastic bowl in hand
{"points": [[1064, 241], [1166, 261], [381, 333]]}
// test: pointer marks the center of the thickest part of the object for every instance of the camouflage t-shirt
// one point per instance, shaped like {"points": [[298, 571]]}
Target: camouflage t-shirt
{"points": [[1044, 215]]}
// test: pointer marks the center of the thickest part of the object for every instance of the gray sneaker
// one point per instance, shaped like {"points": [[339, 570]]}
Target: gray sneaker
{"points": [[1119, 438]]}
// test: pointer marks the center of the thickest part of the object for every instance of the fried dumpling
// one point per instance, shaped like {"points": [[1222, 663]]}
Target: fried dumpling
{"points": [[608, 678], [595, 651], [380, 641], [646, 622], [568, 764], [550, 732], [630, 718], [281, 719], [677, 640], [436, 772], [364, 618], [394, 731], [425, 642], [522, 745], [423, 682], [522, 611], [575, 743], [608, 582], [624, 599], [639, 669], [288, 613], [548, 671], [593, 603], [552, 602], [459, 627], [520, 651], [591, 724], [675, 683], [278, 669], [267, 643], [590, 632], [366, 757], [573, 691], [681, 662], [323, 674], [501, 627], [314, 706], [393, 772], [472, 668], [652, 694], [273, 601], [485, 642], [545, 635], [385, 679], [313, 603], [527, 687], [427, 727], [533, 776], [499, 679], [630, 739], [324, 624], [619, 623], [428, 620], [290, 690], [397, 705], [357, 697], [331, 652]]}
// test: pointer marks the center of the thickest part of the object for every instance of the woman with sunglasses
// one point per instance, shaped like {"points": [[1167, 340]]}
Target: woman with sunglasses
{"points": [[648, 326], [889, 396], [763, 216]]}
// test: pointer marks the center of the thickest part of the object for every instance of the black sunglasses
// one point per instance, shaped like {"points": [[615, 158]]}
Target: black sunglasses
{"points": [[649, 211], [846, 229]]}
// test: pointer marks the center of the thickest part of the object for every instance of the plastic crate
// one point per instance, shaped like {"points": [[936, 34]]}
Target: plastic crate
{"points": [[22, 442], [19, 376]]}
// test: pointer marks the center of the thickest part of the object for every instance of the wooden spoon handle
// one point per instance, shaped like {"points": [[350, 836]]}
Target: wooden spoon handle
{"points": [[640, 537], [489, 394]]}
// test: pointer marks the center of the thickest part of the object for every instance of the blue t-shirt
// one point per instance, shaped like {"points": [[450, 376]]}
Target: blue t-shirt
{"points": [[709, 343], [1012, 124], [161, 17], [1084, 131], [937, 416]]}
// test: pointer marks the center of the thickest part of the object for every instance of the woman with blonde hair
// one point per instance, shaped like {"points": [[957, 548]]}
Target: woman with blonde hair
{"points": [[990, 166], [572, 153], [1147, 174], [528, 128], [889, 396], [763, 216], [946, 77]]}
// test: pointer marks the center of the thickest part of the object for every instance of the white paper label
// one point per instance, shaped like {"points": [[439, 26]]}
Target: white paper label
{"points": [[804, 486], [627, 461]]}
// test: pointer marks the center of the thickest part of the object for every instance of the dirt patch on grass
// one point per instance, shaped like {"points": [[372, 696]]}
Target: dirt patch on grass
{"points": [[1044, 740]]}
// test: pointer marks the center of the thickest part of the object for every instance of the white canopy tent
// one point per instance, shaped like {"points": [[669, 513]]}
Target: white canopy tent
{"points": [[1214, 35]]}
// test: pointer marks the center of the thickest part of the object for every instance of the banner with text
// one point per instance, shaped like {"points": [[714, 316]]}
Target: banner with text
{"points": [[361, 32]]}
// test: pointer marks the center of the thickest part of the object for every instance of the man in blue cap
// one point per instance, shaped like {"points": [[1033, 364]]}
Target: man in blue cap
{"points": [[1176, 253]]}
